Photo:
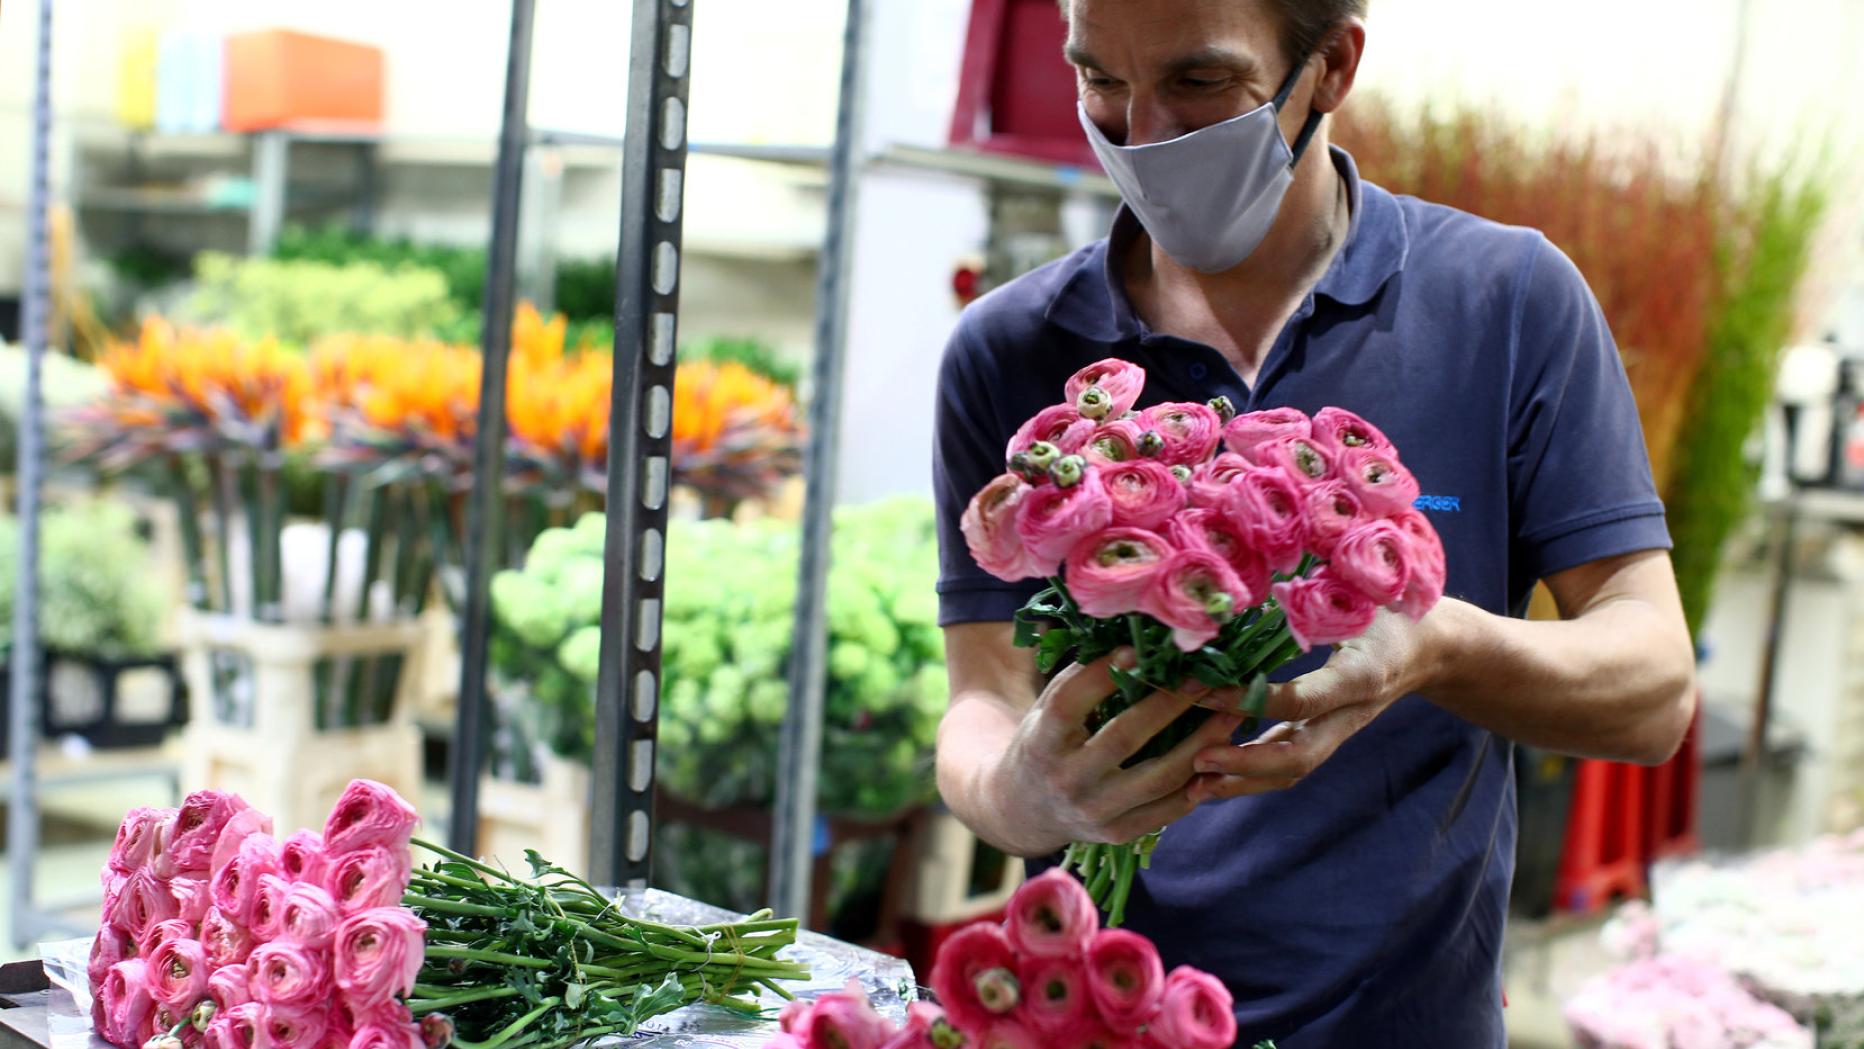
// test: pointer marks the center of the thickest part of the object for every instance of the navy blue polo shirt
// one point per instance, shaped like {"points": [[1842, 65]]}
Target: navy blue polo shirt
{"points": [[1365, 906]]}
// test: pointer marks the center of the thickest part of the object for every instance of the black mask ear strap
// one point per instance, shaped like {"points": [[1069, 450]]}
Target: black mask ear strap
{"points": [[1307, 134], [1312, 124]]}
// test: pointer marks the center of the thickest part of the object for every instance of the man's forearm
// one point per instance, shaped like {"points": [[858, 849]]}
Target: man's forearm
{"points": [[1616, 682], [971, 743]]}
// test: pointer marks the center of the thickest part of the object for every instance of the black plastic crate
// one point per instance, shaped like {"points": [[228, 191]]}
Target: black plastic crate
{"points": [[83, 696]]}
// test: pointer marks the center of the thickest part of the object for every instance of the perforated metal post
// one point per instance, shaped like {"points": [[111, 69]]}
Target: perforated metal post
{"points": [[653, 176]]}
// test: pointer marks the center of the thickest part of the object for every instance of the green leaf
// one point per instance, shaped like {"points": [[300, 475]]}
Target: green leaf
{"points": [[1052, 648], [573, 995], [1257, 695], [1026, 630], [651, 1002]]}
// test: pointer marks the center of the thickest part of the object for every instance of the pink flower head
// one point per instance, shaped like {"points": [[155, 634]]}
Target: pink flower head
{"points": [[1211, 530], [220, 1034], [1191, 432], [160, 933], [1210, 480], [268, 908], [1059, 425], [1124, 978], [287, 1027], [1332, 509], [1243, 433], [146, 901], [1120, 380], [236, 883], [178, 974], [1143, 493], [964, 960], [989, 526], [1272, 512], [1099, 1036], [244, 824], [387, 1036], [230, 987], [192, 898], [1055, 1000], [1381, 482], [1115, 441], [922, 1019], [124, 1000], [226, 942], [1051, 916], [1324, 609], [135, 839], [301, 857], [1007, 1033], [843, 1020], [1195, 1012], [1424, 588], [1376, 558], [369, 813], [160, 1021], [370, 876], [1341, 429], [289, 974], [161, 860], [1304, 459], [108, 947], [1051, 519], [378, 952], [246, 1026], [115, 911], [1109, 573], [203, 816], [1195, 594], [309, 916]]}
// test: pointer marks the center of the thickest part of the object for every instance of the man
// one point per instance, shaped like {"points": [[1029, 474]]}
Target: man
{"points": [[1346, 872]]}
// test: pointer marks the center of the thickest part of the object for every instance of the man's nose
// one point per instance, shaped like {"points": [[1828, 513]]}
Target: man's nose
{"points": [[1147, 122]]}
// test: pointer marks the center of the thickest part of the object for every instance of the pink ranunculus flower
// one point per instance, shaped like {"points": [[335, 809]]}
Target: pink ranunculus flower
{"points": [[220, 1034], [1191, 432], [1425, 587], [1243, 433], [1341, 429], [1108, 573], [962, 961], [1051, 916], [1195, 1012], [145, 902], [1304, 459], [115, 911], [125, 1000], [160, 933], [1051, 519], [247, 1026], [1007, 1033], [387, 1036], [367, 877], [1100, 1036], [1122, 382], [309, 916], [369, 813], [989, 526], [288, 1027], [1210, 480], [161, 860], [178, 974], [378, 952], [301, 857], [235, 885], [1376, 558], [1381, 482], [1125, 978], [1215, 532], [922, 1018], [229, 986], [108, 947], [135, 839], [192, 898], [1060, 425], [204, 814], [1324, 609], [159, 1022], [843, 1020], [1115, 441], [244, 824], [1055, 1000], [1332, 509], [226, 941], [290, 974], [1195, 594], [268, 909], [1269, 508], [1144, 494]]}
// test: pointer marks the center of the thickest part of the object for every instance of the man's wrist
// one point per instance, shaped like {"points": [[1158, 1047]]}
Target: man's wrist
{"points": [[1450, 636]]}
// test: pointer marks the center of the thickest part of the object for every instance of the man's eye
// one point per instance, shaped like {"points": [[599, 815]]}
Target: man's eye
{"points": [[1199, 83], [1098, 80]]}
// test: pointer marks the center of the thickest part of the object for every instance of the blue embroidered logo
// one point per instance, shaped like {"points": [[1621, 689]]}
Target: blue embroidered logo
{"points": [[1445, 503]]}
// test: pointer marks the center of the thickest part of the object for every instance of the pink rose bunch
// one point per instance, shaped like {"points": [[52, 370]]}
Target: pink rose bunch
{"points": [[215, 932], [1195, 516], [1048, 976]]}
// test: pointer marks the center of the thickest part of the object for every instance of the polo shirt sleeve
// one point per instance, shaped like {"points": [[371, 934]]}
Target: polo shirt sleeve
{"points": [[967, 452], [1580, 486]]}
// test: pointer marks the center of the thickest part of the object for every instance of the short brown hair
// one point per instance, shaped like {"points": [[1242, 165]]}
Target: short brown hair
{"points": [[1306, 22]]}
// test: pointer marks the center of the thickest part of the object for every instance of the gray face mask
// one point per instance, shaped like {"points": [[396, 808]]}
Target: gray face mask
{"points": [[1209, 197]]}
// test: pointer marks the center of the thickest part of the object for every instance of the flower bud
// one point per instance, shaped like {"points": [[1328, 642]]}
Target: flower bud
{"points": [[162, 1041], [1224, 407], [945, 1036], [437, 1030], [202, 1015], [1129, 414], [1150, 443], [1021, 467], [1094, 403], [998, 991], [1068, 470], [1182, 473], [1041, 455]]}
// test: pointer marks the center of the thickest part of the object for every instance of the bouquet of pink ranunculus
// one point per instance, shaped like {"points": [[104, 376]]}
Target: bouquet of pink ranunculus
{"points": [[216, 934], [1219, 546], [1047, 977]]}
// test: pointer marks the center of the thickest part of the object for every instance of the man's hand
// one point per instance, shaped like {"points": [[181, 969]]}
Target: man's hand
{"points": [[1321, 710], [1066, 785]]}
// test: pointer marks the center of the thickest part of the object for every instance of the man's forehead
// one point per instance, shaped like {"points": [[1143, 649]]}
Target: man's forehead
{"points": [[1173, 32]]}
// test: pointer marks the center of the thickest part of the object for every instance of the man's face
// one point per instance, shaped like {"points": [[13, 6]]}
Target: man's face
{"points": [[1153, 70]]}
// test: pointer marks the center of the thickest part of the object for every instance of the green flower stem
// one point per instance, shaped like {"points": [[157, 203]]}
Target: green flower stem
{"points": [[440, 850], [437, 878], [512, 1029], [422, 1006], [189, 515], [776, 988], [489, 957], [1128, 865], [454, 906]]}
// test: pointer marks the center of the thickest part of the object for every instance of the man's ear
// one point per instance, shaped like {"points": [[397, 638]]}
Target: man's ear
{"points": [[1341, 52]]}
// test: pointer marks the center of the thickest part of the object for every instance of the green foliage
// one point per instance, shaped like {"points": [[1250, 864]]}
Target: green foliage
{"points": [[298, 302], [1761, 256], [755, 354], [586, 289], [462, 268], [65, 383], [96, 594]]}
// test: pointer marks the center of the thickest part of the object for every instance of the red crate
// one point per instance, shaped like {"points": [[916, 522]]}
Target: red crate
{"points": [[1605, 837], [1016, 93], [1670, 790]]}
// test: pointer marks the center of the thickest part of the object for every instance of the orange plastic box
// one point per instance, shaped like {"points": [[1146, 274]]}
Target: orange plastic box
{"points": [[276, 77]]}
